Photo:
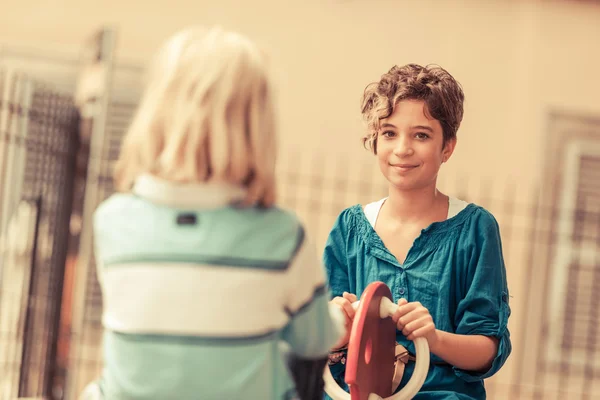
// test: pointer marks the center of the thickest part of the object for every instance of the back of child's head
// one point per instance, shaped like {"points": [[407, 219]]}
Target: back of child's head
{"points": [[441, 93], [206, 116]]}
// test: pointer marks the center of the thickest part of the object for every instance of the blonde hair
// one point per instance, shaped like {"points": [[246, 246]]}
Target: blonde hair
{"points": [[206, 115]]}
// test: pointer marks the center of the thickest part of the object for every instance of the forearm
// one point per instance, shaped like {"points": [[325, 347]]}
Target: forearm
{"points": [[468, 352]]}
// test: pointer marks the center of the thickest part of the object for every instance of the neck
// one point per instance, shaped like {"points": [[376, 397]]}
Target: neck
{"points": [[414, 205]]}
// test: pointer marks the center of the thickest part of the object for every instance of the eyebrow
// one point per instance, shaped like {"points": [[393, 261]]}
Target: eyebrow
{"points": [[424, 127]]}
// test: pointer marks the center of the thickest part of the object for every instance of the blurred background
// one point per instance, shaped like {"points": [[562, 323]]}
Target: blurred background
{"points": [[528, 150]]}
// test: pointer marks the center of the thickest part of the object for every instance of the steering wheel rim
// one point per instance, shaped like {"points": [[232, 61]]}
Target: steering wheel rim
{"points": [[387, 308]]}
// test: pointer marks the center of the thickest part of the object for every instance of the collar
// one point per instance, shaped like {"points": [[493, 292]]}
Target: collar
{"points": [[188, 195]]}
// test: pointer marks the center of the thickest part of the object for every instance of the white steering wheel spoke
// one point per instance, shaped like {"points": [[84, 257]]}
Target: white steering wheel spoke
{"points": [[386, 309]]}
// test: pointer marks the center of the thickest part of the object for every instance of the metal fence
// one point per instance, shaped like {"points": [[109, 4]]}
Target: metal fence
{"points": [[38, 129]]}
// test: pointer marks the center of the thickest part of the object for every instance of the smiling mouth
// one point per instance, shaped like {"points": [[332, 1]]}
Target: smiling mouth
{"points": [[404, 166]]}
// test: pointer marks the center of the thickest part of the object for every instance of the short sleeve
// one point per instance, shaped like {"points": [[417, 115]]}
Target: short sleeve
{"points": [[484, 309], [312, 329]]}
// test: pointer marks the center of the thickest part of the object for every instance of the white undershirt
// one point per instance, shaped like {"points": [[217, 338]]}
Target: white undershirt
{"points": [[372, 209]]}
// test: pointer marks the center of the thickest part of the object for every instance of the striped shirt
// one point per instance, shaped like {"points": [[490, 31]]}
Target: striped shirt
{"points": [[199, 295]]}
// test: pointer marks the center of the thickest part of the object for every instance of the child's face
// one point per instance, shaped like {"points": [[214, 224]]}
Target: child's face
{"points": [[410, 147]]}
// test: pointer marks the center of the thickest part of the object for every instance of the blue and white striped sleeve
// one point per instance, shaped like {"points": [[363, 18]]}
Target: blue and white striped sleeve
{"points": [[314, 327]]}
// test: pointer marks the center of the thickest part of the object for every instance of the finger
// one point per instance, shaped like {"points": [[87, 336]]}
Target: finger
{"points": [[406, 308], [417, 325], [350, 311], [413, 315], [421, 332], [351, 297], [346, 306], [399, 312], [399, 326], [409, 308]]}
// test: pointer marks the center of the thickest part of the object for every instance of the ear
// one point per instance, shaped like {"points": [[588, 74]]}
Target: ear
{"points": [[448, 149]]}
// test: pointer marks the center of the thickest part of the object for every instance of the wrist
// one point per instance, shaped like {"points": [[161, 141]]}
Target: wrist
{"points": [[436, 341]]}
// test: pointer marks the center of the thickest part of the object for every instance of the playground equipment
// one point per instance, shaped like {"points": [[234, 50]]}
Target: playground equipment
{"points": [[371, 352]]}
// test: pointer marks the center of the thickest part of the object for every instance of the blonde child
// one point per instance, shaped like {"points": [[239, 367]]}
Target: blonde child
{"points": [[202, 276]]}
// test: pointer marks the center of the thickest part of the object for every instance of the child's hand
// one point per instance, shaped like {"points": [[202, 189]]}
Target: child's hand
{"points": [[415, 321], [345, 304]]}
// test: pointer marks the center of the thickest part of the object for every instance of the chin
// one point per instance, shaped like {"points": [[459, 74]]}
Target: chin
{"points": [[406, 184], [405, 188], [402, 185]]}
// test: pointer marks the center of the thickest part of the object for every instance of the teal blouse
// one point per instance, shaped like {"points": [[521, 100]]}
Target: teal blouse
{"points": [[455, 268]]}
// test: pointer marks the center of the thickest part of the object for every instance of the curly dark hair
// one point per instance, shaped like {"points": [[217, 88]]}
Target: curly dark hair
{"points": [[442, 94]]}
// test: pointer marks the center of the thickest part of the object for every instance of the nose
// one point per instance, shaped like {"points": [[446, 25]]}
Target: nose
{"points": [[403, 147]]}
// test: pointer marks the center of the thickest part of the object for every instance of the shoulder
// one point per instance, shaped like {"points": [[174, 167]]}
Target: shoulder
{"points": [[114, 207], [481, 229], [275, 214], [275, 218], [273, 225], [276, 231], [348, 218], [481, 218]]}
